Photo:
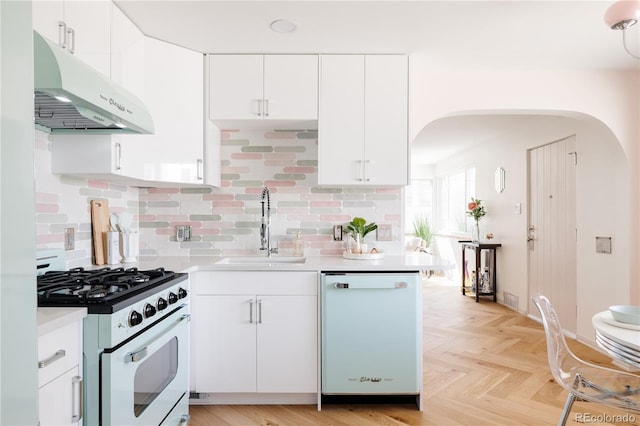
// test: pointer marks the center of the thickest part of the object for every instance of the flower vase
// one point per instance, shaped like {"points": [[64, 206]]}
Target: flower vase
{"points": [[475, 232]]}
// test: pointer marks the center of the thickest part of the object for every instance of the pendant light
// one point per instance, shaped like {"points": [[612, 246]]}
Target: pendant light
{"points": [[620, 16]]}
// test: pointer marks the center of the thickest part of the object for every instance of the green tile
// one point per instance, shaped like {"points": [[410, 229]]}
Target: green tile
{"points": [[205, 217], [322, 190], [234, 142], [153, 224], [307, 163], [195, 190], [217, 238], [237, 231], [247, 224], [245, 183], [290, 176], [229, 176], [205, 252], [257, 148], [163, 204], [296, 148]]}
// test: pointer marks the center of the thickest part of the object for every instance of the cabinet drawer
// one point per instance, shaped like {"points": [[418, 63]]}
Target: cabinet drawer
{"points": [[51, 360], [256, 282]]}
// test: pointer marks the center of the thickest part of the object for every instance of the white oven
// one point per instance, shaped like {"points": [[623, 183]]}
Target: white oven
{"points": [[144, 380]]}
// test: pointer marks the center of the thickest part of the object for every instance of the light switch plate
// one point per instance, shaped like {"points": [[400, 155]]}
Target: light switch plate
{"points": [[69, 238], [384, 232]]}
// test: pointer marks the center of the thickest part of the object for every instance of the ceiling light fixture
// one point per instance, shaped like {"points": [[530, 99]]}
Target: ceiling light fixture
{"points": [[620, 16], [283, 26]]}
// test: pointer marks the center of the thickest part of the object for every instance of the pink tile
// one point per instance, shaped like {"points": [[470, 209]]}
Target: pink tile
{"points": [[392, 217], [246, 156], [331, 252], [165, 231], [315, 197], [228, 210], [172, 217], [228, 133], [225, 183], [388, 190], [303, 217], [325, 204], [258, 190], [47, 208], [49, 238], [186, 222], [97, 184]]}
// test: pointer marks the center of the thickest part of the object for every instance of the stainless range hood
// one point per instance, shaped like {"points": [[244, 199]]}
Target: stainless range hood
{"points": [[72, 97]]}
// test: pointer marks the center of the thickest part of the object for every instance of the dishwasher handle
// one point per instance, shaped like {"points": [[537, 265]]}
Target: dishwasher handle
{"points": [[371, 286]]}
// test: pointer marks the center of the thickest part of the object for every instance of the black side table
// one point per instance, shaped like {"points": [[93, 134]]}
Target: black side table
{"points": [[477, 248]]}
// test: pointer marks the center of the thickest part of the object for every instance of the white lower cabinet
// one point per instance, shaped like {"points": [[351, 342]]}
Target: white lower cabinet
{"points": [[60, 376], [255, 332]]}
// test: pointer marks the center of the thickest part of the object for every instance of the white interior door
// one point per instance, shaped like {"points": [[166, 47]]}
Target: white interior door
{"points": [[552, 228]]}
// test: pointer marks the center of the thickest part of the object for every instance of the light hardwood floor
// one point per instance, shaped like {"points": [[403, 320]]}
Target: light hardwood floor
{"points": [[484, 364]]}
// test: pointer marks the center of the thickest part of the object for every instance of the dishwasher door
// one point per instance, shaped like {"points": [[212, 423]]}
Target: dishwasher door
{"points": [[371, 333]]}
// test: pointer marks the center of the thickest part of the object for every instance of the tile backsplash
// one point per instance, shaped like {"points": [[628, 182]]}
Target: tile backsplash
{"points": [[225, 220]]}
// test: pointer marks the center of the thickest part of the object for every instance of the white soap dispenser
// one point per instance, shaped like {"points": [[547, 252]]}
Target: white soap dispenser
{"points": [[298, 245]]}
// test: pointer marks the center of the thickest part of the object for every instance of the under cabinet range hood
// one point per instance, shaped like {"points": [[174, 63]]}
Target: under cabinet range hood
{"points": [[72, 97]]}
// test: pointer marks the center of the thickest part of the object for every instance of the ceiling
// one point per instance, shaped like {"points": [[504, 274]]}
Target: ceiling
{"points": [[450, 33]]}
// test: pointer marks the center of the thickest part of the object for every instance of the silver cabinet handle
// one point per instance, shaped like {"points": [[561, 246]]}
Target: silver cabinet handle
{"points": [[62, 34], [360, 171], [118, 165], [341, 285], [200, 169], [266, 102], [259, 311], [365, 172], [71, 47], [60, 353], [251, 311], [260, 106], [76, 381], [138, 355]]}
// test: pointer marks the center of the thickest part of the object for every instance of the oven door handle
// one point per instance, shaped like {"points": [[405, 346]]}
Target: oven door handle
{"points": [[138, 355]]}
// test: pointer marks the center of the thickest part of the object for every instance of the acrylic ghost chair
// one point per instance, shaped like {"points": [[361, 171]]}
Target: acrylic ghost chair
{"points": [[583, 380]]}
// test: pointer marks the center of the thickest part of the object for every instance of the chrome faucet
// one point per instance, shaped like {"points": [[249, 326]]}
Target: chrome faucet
{"points": [[265, 226]]}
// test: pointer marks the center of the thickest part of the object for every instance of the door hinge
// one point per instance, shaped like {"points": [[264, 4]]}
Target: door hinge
{"points": [[575, 157]]}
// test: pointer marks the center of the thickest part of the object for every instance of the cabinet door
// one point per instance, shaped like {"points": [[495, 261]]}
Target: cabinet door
{"points": [[291, 87], [236, 83], [173, 93], [341, 120], [90, 22], [127, 53], [46, 17], [59, 400], [224, 343], [287, 344], [386, 105]]}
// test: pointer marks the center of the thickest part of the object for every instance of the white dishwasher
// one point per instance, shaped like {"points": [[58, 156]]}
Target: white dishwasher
{"points": [[371, 333]]}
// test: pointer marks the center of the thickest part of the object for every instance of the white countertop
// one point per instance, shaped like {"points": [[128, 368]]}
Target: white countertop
{"points": [[50, 319], [408, 262]]}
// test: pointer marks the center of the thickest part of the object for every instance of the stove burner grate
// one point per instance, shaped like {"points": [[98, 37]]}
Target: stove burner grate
{"points": [[104, 285]]}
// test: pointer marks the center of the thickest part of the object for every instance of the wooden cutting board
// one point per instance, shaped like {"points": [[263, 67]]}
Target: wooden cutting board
{"points": [[99, 225]]}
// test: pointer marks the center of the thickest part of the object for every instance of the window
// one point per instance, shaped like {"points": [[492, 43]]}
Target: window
{"points": [[419, 202], [454, 192]]}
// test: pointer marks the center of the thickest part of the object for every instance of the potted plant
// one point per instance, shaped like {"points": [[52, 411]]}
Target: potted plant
{"points": [[359, 229], [422, 230]]}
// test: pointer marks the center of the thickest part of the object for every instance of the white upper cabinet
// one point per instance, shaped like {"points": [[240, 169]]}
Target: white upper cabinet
{"points": [[363, 120], [174, 95], [263, 87], [81, 27]]}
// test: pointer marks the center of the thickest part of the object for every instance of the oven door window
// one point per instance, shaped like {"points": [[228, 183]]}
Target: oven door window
{"points": [[154, 374]]}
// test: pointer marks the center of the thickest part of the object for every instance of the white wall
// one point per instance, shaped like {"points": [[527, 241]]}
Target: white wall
{"points": [[607, 133]]}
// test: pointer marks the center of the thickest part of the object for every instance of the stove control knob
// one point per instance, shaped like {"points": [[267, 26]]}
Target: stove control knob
{"points": [[135, 318], [172, 298], [149, 310], [182, 293], [161, 304]]}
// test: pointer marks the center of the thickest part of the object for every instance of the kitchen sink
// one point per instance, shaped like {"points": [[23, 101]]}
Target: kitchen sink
{"points": [[261, 259]]}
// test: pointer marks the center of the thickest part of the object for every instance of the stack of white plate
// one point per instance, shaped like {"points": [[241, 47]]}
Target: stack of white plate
{"points": [[622, 339]]}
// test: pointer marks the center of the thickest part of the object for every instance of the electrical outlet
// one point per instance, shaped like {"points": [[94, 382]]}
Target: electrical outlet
{"points": [[69, 238]]}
